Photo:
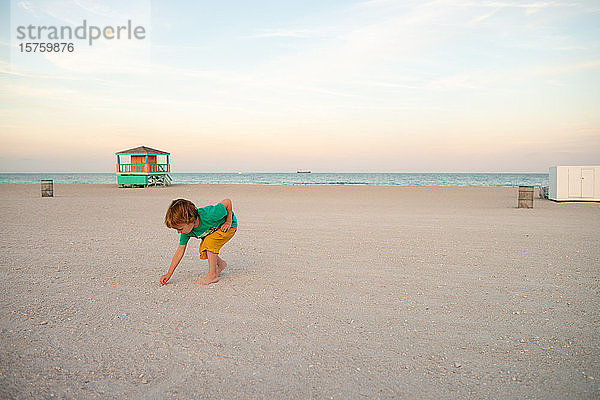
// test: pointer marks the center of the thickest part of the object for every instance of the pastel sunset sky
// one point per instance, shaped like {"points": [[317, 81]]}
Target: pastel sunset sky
{"points": [[273, 86]]}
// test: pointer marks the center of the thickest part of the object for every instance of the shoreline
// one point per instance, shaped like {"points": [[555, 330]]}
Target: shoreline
{"points": [[273, 184]]}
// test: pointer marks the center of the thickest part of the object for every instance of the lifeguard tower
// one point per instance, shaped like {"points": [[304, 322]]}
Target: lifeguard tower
{"points": [[140, 167]]}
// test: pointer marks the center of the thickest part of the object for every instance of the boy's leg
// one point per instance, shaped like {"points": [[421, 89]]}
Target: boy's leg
{"points": [[221, 265], [213, 275], [215, 263]]}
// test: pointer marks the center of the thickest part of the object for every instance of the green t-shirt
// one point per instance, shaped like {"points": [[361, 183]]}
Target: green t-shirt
{"points": [[211, 218]]}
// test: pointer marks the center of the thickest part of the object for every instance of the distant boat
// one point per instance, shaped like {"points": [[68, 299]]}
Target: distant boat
{"points": [[302, 171]]}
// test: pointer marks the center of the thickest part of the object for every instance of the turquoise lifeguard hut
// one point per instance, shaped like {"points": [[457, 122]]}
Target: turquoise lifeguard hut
{"points": [[143, 166]]}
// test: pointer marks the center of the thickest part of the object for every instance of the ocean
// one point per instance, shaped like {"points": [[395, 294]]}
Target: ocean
{"points": [[371, 179]]}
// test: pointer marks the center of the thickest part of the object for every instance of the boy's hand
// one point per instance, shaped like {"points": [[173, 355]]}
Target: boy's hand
{"points": [[225, 227], [164, 279]]}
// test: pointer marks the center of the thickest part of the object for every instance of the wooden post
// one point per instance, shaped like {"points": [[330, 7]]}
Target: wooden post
{"points": [[525, 196], [47, 188]]}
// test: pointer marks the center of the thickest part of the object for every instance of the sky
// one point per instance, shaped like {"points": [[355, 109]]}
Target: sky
{"points": [[330, 86]]}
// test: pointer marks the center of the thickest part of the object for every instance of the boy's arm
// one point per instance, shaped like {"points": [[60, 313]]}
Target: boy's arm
{"points": [[227, 203], [174, 263]]}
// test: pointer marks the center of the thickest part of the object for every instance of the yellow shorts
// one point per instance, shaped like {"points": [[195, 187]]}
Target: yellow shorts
{"points": [[215, 241]]}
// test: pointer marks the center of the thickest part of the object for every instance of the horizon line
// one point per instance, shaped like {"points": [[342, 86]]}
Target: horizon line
{"points": [[294, 172]]}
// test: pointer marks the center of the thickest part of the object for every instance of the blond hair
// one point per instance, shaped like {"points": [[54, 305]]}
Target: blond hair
{"points": [[181, 211]]}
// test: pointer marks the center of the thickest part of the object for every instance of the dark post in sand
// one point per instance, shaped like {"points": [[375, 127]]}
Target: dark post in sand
{"points": [[47, 188], [525, 196]]}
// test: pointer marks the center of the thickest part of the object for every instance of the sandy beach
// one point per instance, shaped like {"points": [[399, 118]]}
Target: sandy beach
{"points": [[332, 292]]}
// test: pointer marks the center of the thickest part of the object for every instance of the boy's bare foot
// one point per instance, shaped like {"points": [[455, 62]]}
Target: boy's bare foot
{"points": [[207, 280], [221, 266]]}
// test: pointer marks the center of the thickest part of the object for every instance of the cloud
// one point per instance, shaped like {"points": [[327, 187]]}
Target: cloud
{"points": [[482, 79], [482, 17], [5, 68], [26, 5], [536, 5], [386, 84], [286, 33], [102, 9]]}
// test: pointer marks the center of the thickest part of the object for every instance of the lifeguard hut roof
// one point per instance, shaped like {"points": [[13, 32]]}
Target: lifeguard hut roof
{"points": [[142, 150]]}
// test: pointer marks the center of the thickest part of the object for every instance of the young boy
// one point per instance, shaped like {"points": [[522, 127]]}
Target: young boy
{"points": [[214, 225]]}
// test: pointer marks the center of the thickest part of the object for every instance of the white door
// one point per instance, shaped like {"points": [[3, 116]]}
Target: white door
{"points": [[575, 182], [587, 183]]}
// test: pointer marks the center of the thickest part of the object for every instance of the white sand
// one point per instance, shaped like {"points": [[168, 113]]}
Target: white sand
{"points": [[331, 292]]}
